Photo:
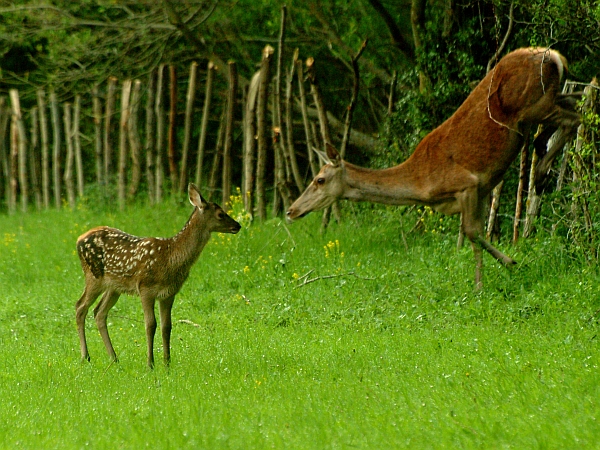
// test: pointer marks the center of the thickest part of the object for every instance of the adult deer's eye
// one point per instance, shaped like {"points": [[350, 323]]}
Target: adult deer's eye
{"points": [[320, 180]]}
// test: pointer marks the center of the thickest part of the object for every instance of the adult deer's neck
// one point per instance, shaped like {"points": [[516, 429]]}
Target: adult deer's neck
{"points": [[394, 186], [187, 245]]}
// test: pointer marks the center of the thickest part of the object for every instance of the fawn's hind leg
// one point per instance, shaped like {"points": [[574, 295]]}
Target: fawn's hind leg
{"points": [[89, 296], [101, 313]]}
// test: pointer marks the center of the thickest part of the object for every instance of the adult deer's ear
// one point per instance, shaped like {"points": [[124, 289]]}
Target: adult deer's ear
{"points": [[333, 155], [196, 198], [322, 156]]}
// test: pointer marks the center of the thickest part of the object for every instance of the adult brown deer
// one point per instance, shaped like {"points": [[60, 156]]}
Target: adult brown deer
{"points": [[454, 168], [116, 263]]}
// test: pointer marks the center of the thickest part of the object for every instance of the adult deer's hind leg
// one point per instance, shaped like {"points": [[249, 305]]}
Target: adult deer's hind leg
{"points": [[472, 211]]}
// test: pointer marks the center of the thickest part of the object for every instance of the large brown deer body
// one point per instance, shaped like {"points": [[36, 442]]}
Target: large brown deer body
{"points": [[116, 263], [454, 168]]}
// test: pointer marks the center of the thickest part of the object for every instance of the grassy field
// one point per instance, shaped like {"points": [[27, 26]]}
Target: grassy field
{"points": [[387, 346]]}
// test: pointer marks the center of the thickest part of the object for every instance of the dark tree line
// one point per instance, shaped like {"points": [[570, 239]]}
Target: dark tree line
{"points": [[202, 89]]}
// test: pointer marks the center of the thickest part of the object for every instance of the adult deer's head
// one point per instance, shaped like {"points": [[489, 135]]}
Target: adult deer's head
{"points": [[326, 187]]}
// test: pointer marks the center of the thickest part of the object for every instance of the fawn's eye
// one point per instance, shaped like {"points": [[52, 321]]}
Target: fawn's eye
{"points": [[321, 181]]}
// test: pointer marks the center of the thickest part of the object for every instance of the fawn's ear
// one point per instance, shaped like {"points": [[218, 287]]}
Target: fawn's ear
{"points": [[195, 197]]}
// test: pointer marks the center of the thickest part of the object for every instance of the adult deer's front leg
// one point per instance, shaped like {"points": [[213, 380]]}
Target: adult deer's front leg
{"points": [[150, 321], [165, 326]]}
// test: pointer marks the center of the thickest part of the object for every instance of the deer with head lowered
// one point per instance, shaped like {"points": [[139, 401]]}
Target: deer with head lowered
{"points": [[454, 168], [116, 263]]}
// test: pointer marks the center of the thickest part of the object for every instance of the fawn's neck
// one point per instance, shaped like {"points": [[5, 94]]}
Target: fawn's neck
{"points": [[187, 245]]}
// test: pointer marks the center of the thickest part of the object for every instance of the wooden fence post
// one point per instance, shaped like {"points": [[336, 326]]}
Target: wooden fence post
{"points": [[187, 127], [173, 172], [250, 143], [97, 114], [56, 149], [21, 147], [150, 137], [41, 102], [308, 134], [13, 164], [34, 158], [108, 114], [160, 133], [68, 176], [125, 96], [204, 125], [4, 167], [134, 140], [77, 146], [228, 144], [261, 131]]}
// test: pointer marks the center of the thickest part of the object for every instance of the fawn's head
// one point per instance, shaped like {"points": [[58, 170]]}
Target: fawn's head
{"points": [[213, 216]]}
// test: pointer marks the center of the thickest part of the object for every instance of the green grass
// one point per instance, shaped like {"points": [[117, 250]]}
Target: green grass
{"points": [[395, 351]]}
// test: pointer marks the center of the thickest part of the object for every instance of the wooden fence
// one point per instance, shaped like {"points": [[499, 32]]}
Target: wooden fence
{"points": [[126, 133]]}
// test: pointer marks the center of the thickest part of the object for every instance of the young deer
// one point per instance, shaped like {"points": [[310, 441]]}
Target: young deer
{"points": [[116, 263]]}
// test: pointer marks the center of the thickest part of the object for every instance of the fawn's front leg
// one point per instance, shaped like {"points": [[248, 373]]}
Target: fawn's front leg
{"points": [[150, 320], [165, 307]]}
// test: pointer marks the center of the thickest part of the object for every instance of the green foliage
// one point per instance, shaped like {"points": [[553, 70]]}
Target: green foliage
{"points": [[575, 211], [387, 346]]}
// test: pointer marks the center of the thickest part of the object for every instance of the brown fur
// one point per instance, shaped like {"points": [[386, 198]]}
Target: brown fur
{"points": [[116, 263], [454, 168]]}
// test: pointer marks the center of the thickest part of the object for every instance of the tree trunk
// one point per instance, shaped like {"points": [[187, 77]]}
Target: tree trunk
{"points": [[228, 145], [261, 131], [125, 97], [68, 175], [204, 125], [417, 20], [56, 149], [353, 100], [187, 127]]}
